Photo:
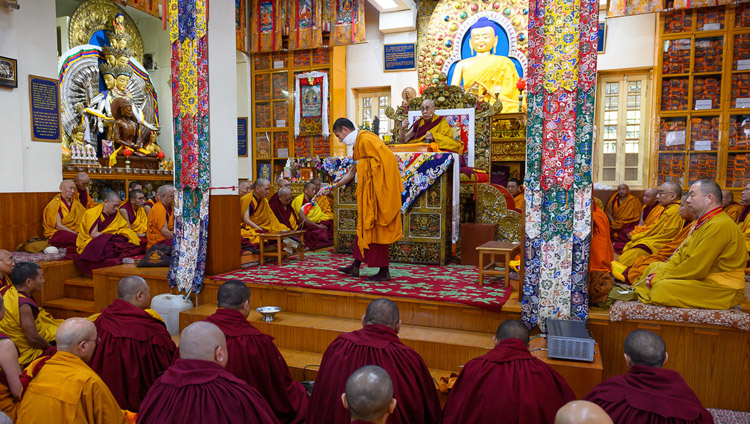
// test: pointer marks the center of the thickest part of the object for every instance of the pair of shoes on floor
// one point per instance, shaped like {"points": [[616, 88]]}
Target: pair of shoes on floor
{"points": [[350, 270], [288, 250], [379, 277]]}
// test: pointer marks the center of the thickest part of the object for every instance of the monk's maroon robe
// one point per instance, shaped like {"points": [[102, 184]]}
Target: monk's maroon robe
{"points": [[282, 212], [379, 345]]}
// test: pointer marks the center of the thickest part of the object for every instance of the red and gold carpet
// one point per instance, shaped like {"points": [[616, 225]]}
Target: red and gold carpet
{"points": [[451, 283]]}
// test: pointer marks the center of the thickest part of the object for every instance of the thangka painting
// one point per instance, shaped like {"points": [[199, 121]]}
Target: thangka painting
{"points": [[240, 24], [311, 106], [312, 100], [349, 22], [461, 122], [266, 34]]}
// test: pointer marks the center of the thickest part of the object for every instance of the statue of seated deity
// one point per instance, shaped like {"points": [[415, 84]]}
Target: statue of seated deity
{"points": [[125, 131]]}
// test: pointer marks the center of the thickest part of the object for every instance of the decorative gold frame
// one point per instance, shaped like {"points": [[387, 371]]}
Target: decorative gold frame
{"points": [[96, 15]]}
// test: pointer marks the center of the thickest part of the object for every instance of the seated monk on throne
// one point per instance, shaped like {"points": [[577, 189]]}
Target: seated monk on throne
{"points": [[431, 128]]}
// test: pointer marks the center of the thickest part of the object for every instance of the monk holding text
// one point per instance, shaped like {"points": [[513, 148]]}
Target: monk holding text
{"points": [[62, 217], [623, 210], [160, 219], [431, 128]]}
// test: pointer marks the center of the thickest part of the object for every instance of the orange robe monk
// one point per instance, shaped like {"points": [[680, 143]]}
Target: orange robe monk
{"points": [[602, 254], [324, 202], [157, 216], [261, 215], [665, 230], [9, 353], [650, 215], [625, 216], [65, 390], [633, 273], [85, 198], [734, 210], [70, 215]]}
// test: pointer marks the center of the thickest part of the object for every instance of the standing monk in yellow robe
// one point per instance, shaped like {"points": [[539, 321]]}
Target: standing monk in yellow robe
{"points": [[63, 388], [732, 208], [431, 128], [707, 271], [623, 210], [160, 228], [133, 212], [6, 268], [666, 228], [31, 328], [650, 213], [378, 194], [257, 216], [81, 182], [62, 216], [10, 373]]}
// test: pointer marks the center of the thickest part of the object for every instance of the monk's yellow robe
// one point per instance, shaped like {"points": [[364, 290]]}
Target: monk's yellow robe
{"points": [[138, 219], [157, 216], [665, 230], [442, 134], [649, 221], [706, 272], [378, 193], [85, 198], [314, 213], [635, 271], [46, 325], [70, 215], [491, 74], [66, 390], [118, 226], [244, 204], [5, 281], [623, 212], [733, 210], [262, 215], [745, 227], [518, 200], [325, 205]]}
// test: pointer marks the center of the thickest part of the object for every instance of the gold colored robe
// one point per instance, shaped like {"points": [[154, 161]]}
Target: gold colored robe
{"points": [[70, 215], [665, 230], [46, 325], [263, 217], [623, 212], [442, 134], [640, 264], [650, 220], [325, 205], [315, 214], [734, 210], [140, 223], [519, 199], [118, 226], [745, 227], [157, 216], [66, 390], [706, 272]]}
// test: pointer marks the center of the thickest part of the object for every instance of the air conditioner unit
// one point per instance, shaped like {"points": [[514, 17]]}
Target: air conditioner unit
{"points": [[569, 340]]}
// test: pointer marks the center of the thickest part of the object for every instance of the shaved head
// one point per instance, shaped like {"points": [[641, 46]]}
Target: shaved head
{"points": [[165, 190], [233, 294], [6, 263], [512, 329], [369, 393], [200, 340], [649, 196], [244, 188], [646, 348], [283, 192], [82, 177], [72, 331], [130, 286], [67, 190], [261, 182], [112, 197], [382, 311], [727, 197], [66, 183], [582, 412]]}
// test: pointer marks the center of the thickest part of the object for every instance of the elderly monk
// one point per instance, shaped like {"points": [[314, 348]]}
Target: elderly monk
{"points": [[197, 388], [377, 343], [665, 230], [254, 358], [582, 412], [602, 254], [431, 128], [105, 237], [82, 182], [369, 395], [280, 183], [63, 388], [244, 187], [281, 205], [147, 204], [378, 194], [160, 218], [623, 210], [324, 201], [10, 372], [633, 273], [650, 213], [516, 191], [135, 346], [648, 393], [707, 271], [30, 327], [732, 208], [318, 225], [257, 216], [7, 262], [533, 390], [134, 213], [62, 216]]}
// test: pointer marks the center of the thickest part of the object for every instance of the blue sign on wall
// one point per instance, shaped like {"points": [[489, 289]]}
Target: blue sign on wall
{"points": [[602, 33], [242, 137], [44, 103], [399, 57]]}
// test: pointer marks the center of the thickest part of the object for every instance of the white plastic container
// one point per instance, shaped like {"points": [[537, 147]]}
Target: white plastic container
{"points": [[169, 307]]}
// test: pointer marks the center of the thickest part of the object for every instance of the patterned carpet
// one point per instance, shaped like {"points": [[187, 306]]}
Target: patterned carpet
{"points": [[451, 283]]}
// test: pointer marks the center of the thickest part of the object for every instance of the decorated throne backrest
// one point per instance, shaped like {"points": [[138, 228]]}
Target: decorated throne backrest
{"points": [[461, 122]]}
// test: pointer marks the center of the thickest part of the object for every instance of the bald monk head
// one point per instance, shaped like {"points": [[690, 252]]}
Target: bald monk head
{"points": [[77, 336], [582, 412], [67, 190], [234, 294], [6, 263], [643, 347], [685, 212], [623, 191], [135, 185], [283, 183], [165, 194], [243, 188], [317, 183], [384, 312], [261, 188], [111, 203], [369, 395], [134, 290], [745, 199], [285, 196], [669, 192], [649, 196], [512, 329], [727, 197], [310, 190], [704, 196], [204, 341], [81, 180]]}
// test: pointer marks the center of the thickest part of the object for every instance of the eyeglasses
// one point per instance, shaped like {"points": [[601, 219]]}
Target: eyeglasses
{"points": [[666, 192]]}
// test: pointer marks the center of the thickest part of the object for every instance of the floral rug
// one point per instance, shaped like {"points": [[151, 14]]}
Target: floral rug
{"points": [[450, 283]]}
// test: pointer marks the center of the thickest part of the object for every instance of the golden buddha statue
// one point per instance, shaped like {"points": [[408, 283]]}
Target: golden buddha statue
{"points": [[488, 76]]}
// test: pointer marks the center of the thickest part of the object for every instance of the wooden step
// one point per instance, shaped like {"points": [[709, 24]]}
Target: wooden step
{"points": [[79, 288], [70, 304], [80, 282]]}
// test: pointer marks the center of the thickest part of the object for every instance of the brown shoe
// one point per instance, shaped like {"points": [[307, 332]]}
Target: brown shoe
{"points": [[379, 277], [350, 270]]}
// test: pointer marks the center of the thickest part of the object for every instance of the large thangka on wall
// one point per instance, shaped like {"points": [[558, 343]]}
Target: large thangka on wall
{"points": [[481, 45]]}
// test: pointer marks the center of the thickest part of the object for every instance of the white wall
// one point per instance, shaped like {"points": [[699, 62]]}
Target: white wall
{"points": [[28, 35], [245, 165], [630, 43]]}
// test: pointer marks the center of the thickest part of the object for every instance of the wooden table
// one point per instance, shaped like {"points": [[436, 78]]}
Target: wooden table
{"points": [[278, 237], [505, 250], [581, 376]]}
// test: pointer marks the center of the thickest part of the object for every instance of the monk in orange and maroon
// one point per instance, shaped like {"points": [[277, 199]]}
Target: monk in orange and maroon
{"points": [[81, 182], [62, 217], [10, 372], [624, 211], [254, 358], [281, 206], [6, 268], [135, 347]]}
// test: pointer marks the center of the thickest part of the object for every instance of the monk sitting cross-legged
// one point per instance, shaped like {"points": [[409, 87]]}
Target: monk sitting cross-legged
{"points": [[369, 395], [244, 187], [281, 205], [431, 128], [31, 328], [649, 214], [254, 358], [602, 254], [281, 184], [10, 372], [318, 225], [623, 210], [648, 393], [377, 343], [63, 389], [105, 237], [197, 388], [135, 345], [6, 268], [257, 214], [507, 382], [62, 217], [732, 208], [160, 218], [133, 212]]}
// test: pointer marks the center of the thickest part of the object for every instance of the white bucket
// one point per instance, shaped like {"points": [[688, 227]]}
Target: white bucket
{"points": [[169, 307]]}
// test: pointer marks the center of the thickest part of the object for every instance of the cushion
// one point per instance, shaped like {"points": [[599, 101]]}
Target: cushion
{"points": [[621, 311], [38, 257], [725, 416]]}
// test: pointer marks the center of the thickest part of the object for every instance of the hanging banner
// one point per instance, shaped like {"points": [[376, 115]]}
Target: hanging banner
{"points": [[311, 104], [240, 24], [619, 8], [348, 25], [265, 26], [305, 25]]}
